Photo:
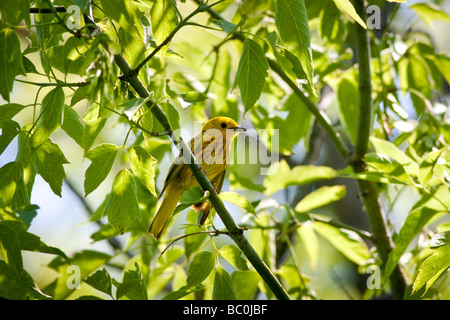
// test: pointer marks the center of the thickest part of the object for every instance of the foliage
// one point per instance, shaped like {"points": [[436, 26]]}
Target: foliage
{"points": [[289, 65]]}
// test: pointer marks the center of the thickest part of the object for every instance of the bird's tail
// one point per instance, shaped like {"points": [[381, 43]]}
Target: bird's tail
{"points": [[168, 205]]}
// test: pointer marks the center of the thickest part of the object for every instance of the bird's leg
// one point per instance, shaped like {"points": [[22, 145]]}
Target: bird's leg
{"points": [[215, 188]]}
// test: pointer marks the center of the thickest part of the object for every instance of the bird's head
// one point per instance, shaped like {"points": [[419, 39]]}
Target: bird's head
{"points": [[222, 124]]}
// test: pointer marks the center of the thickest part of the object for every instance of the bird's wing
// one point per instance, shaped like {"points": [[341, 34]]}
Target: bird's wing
{"points": [[218, 181], [178, 165]]}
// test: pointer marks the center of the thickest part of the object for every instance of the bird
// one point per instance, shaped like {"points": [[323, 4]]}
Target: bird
{"points": [[211, 147]]}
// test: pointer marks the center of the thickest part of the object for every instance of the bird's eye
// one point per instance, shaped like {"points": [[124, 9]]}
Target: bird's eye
{"points": [[223, 125]]}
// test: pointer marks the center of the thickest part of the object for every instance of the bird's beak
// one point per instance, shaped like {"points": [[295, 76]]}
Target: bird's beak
{"points": [[239, 129]]}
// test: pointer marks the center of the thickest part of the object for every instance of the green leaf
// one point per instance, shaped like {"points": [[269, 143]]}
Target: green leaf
{"points": [[418, 83], [100, 280], [16, 13], [347, 242], [287, 60], [332, 26], [102, 158], [16, 287], [10, 60], [190, 197], [388, 148], [251, 73], [9, 129], [73, 126], [292, 24], [133, 45], [200, 268], [9, 110], [10, 248], [223, 285], [245, 283], [27, 213], [182, 292], [240, 182], [14, 238], [81, 265], [50, 117], [292, 276], [225, 25], [428, 165], [172, 115], [142, 165], [106, 231], [413, 224], [390, 166], [193, 243], [94, 124], [308, 239], [347, 7], [284, 132], [442, 62], [438, 199], [320, 197], [430, 12], [280, 176], [124, 12], [238, 200], [133, 285], [232, 254], [49, 160], [122, 207], [132, 106], [433, 267], [193, 97], [348, 100], [164, 20]]}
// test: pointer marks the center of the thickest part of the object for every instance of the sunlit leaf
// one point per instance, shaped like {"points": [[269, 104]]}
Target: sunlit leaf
{"points": [[223, 285], [102, 158], [232, 254], [347, 7], [320, 197], [251, 73], [292, 24], [281, 176], [122, 207], [200, 268]]}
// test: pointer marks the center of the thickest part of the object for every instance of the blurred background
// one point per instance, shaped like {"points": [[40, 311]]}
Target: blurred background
{"points": [[64, 222]]}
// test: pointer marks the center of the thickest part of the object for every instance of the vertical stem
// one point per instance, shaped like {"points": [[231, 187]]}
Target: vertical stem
{"points": [[368, 189]]}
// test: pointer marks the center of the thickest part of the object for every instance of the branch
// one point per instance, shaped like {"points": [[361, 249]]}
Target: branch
{"points": [[54, 84], [368, 189], [235, 232]]}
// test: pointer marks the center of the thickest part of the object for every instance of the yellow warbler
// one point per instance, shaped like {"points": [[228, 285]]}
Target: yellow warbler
{"points": [[211, 148]]}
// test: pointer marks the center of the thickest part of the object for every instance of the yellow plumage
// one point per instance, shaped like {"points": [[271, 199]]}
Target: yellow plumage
{"points": [[211, 148]]}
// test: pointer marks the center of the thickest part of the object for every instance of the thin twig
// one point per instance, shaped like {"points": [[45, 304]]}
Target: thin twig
{"points": [[54, 84], [214, 233]]}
